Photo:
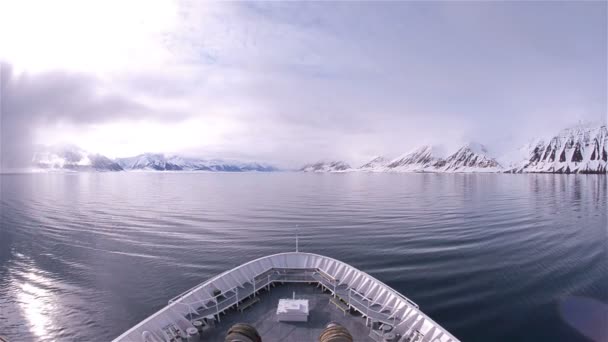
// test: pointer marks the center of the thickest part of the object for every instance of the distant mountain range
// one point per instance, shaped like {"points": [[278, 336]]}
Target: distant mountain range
{"points": [[72, 158], [580, 149], [158, 162]]}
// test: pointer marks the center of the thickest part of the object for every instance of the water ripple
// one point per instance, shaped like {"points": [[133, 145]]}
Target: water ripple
{"points": [[86, 256]]}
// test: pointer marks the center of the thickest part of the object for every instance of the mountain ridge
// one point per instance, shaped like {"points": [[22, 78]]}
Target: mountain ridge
{"points": [[578, 149], [72, 158]]}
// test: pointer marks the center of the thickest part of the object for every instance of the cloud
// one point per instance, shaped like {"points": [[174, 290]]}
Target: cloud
{"points": [[294, 82], [34, 101]]}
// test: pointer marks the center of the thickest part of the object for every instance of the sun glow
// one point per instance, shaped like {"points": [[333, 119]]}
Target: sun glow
{"points": [[129, 138], [84, 35]]}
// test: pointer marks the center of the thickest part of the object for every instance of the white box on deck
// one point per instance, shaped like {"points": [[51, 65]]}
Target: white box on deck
{"points": [[292, 310]]}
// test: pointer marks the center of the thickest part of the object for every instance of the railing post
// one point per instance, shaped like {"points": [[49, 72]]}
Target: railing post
{"points": [[367, 318], [349, 290], [237, 296], [254, 286], [217, 309]]}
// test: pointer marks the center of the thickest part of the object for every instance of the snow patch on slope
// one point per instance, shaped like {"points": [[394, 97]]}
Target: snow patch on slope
{"points": [[332, 166], [579, 149], [376, 164]]}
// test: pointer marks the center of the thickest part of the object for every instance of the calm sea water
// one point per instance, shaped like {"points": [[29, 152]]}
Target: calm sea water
{"points": [[490, 257]]}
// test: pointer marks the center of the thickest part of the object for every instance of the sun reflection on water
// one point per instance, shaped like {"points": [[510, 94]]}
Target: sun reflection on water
{"points": [[35, 301], [34, 309]]}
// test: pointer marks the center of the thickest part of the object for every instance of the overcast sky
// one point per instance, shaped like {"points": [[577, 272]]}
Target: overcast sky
{"points": [[295, 82]]}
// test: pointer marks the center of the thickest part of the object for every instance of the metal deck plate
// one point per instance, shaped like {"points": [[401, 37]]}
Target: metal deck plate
{"points": [[262, 316]]}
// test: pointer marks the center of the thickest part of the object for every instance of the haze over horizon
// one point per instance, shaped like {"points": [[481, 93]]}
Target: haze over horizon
{"points": [[292, 83]]}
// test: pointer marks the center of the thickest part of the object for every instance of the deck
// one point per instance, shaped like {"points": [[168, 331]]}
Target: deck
{"points": [[262, 316]]}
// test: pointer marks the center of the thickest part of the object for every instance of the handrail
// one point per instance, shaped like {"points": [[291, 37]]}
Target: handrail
{"points": [[272, 277], [192, 290], [306, 276], [368, 309], [288, 253]]}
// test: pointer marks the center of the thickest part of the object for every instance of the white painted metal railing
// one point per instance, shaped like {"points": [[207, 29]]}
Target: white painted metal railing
{"points": [[363, 291]]}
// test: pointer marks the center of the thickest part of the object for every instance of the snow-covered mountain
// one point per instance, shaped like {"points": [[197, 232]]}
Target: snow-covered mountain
{"points": [[159, 162], [580, 149], [100, 162], [472, 157], [376, 164], [148, 161], [333, 166], [423, 158], [72, 158]]}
